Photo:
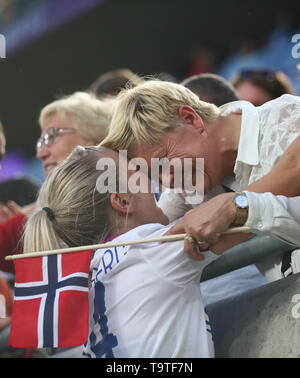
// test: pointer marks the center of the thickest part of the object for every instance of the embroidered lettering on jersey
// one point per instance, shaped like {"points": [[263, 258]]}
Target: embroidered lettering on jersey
{"points": [[110, 258]]}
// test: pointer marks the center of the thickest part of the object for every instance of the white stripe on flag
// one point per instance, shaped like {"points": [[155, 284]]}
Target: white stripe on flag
{"points": [[40, 331]]}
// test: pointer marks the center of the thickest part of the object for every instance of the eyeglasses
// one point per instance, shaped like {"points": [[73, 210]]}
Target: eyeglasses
{"points": [[49, 137]]}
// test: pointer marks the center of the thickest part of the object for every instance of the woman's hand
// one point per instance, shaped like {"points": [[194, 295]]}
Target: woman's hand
{"points": [[205, 224]]}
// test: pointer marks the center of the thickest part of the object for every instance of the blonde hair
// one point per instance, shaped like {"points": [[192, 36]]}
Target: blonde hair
{"points": [[91, 117], [143, 112], [80, 213]]}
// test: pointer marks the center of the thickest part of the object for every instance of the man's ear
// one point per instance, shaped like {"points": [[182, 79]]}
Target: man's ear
{"points": [[189, 116], [121, 203]]}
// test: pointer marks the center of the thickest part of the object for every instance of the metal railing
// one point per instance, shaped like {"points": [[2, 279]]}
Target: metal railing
{"points": [[252, 251]]}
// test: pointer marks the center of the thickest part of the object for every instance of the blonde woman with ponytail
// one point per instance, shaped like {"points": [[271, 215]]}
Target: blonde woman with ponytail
{"points": [[145, 299], [68, 199]]}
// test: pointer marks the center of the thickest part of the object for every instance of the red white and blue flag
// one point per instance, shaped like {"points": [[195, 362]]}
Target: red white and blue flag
{"points": [[51, 301]]}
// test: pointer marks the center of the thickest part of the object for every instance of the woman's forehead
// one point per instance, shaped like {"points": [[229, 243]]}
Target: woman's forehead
{"points": [[58, 120]]}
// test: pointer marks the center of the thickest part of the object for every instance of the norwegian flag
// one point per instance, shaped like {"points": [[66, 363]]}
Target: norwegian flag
{"points": [[51, 301]]}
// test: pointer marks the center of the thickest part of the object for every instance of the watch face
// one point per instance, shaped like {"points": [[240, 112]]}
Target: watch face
{"points": [[241, 200]]}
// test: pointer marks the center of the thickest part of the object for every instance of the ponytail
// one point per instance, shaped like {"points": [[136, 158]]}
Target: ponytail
{"points": [[39, 234], [73, 212]]}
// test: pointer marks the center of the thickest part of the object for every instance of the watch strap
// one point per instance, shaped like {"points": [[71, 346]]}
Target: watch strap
{"points": [[240, 216]]}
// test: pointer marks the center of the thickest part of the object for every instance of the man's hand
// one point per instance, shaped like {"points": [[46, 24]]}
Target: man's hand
{"points": [[206, 222]]}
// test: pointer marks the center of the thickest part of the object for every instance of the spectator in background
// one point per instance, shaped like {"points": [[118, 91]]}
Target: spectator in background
{"points": [[2, 144], [16, 193], [5, 291], [166, 76], [211, 88], [202, 60], [6, 303], [80, 118], [6, 295], [260, 86], [10, 229], [111, 82], [22, 190]]}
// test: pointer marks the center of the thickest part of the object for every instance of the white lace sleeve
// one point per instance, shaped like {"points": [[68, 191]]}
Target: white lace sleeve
{"points": [[280, 126], [277, 216]]}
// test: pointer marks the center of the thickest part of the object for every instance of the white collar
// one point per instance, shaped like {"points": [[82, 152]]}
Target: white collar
{"points": [[248, 143]]}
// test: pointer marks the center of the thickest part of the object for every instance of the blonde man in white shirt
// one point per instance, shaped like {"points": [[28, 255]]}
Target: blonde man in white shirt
{"points": [[241, 144]]}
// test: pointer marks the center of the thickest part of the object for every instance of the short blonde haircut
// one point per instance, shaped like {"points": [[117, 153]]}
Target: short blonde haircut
{"points": [[90, 116], [143, 112]]}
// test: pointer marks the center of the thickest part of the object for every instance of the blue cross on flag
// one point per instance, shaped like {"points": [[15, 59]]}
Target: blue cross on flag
{"points": [[51, 301]]}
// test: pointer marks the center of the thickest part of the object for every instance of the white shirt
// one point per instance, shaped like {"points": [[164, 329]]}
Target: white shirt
{"points": [[279, 217], [175, 205], [145, 300], [266, 132]]}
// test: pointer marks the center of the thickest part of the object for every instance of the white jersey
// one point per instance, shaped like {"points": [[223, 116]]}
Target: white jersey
{"points": [[145, 300]]}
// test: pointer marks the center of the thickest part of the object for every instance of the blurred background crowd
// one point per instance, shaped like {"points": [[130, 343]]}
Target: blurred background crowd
{"points": [[55, 48]]}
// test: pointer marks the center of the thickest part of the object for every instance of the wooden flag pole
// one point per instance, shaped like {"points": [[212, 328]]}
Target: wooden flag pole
{"points": [[168, 238]]}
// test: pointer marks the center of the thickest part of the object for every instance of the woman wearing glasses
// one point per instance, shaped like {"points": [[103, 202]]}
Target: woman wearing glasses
{"points": [[78, 119]]}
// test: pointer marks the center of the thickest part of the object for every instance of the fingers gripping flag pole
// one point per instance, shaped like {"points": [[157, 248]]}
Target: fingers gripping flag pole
{"points": [[167, 238], [51, 301]]}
